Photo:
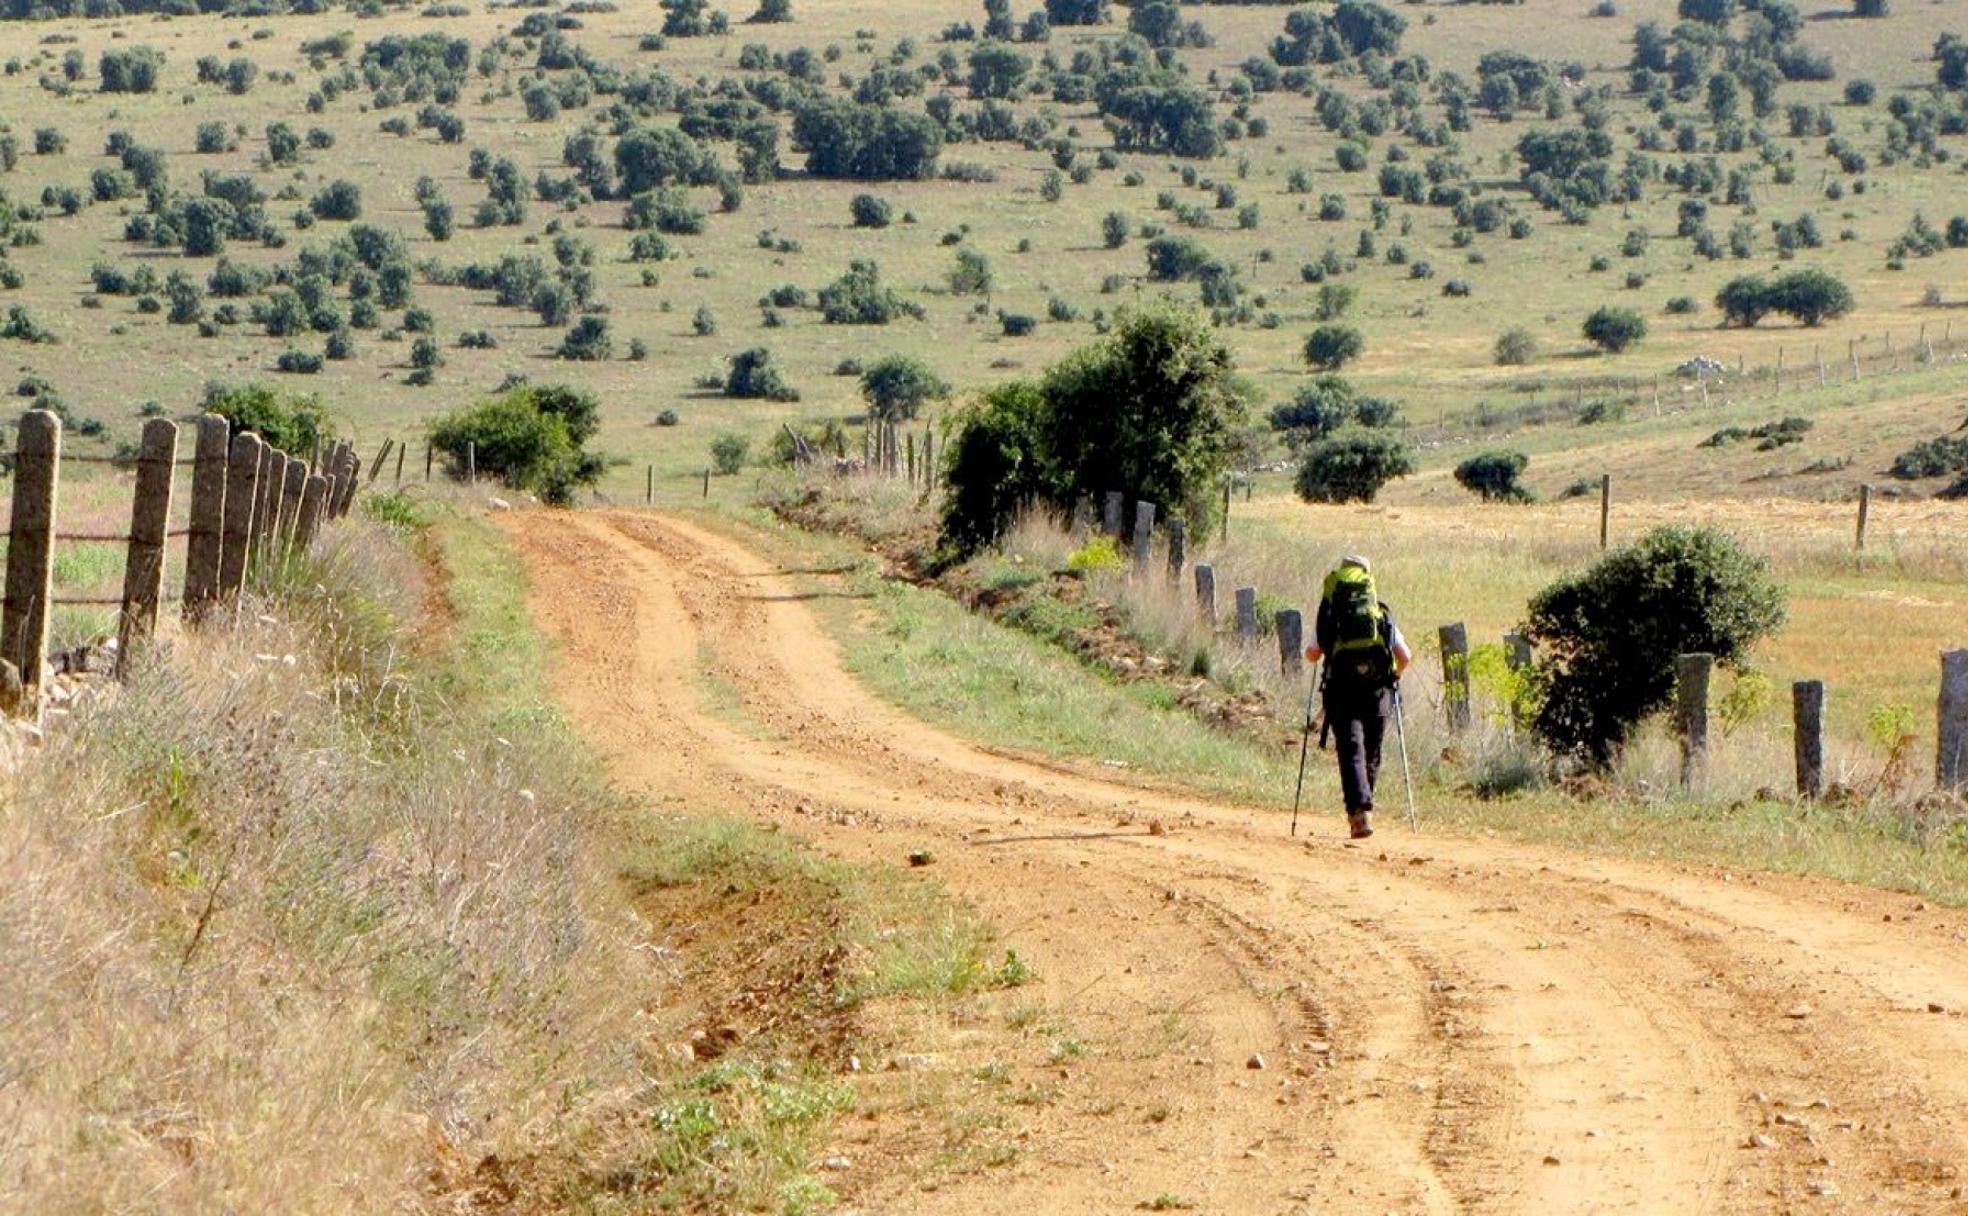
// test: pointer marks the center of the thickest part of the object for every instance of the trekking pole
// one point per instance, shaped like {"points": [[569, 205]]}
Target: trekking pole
{"points": [[1407, 777], [1304, 747]]}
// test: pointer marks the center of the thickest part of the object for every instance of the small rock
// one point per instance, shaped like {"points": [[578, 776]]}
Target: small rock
{"points": [[1758, 1140], [1823, 1186], [1798, 1012], [1936, 1007], [1550, 1159], [921, 857], [836, 1163], [1256, 1063], [499, 504]]}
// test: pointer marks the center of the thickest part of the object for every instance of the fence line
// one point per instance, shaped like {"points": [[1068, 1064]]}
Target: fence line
{"points": [[1692, 671], [250, 504]]}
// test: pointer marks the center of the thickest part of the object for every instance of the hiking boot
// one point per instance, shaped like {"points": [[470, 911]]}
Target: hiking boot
{"points": [[1361, 822]]}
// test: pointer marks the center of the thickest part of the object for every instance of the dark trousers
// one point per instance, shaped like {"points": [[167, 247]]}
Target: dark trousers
{"points": [[1357, 732]]}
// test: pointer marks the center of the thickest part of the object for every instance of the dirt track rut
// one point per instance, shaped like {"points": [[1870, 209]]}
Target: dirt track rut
{"points": [[1449, 1025]]}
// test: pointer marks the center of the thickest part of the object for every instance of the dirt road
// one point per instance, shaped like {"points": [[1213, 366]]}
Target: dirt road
{"points": [[1445, 1025]]}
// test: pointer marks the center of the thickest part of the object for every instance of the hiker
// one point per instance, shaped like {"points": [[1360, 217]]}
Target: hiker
{"points": [[1365, 657]]}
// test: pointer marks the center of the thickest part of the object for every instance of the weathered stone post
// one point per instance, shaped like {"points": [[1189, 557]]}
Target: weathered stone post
{"points": [[1455, 675], [1291, 642], [1178, 547], [1112, 521], [1082, 517], [1206, 593], [1247, 614], [1807, 703], [314, 502], [208, 495], [150, 516], [31, 547], [1951, 760], [382, 454], [1865, 516], [399, 462], [242, 493], [1144, 535], [292, 484], [1691, 676], [266, 498]]}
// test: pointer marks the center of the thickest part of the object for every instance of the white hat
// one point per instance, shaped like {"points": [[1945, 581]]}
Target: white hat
{"points": [[1355, 560]]}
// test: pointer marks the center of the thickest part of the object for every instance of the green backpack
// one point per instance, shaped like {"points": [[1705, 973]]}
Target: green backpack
{"points": [[1360, 656]]}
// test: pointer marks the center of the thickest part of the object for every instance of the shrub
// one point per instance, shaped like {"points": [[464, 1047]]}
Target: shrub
{"points": [[298, 362], [588, 341], [1352, 467], [1017, 324], [1607, 638], [898, 386], [292, 422], [1114, 229], [1810, 296], [1516, 347], [728, 453], [869, 211], [339, 200], [1615, 329], [530, 436], [1932, 458], [972, 274], [859, 298], [1493, 476], [993, 465], [1332, 347], [754, 376], [1325, 406], [130, 70], [1154, 406]]}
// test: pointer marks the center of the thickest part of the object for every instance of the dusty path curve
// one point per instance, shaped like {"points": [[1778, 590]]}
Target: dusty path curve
{"points": [[1449, 1025]]}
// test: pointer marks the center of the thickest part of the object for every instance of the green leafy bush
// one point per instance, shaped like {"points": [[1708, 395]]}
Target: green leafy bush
{"points": [[531, 437], [293, 422], [1493, 476], [1607, 638], [728, 453], [1352, 467], [899, 385], [1614, 329]]}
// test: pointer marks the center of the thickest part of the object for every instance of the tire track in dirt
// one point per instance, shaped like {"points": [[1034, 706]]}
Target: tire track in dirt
{"points": [[1462, 1025]]}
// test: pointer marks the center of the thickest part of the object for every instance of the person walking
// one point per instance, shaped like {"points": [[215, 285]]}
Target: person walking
{"points": [[1365, 656]]}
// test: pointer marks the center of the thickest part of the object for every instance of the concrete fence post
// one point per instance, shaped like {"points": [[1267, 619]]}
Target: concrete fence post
{"points": [[242, 495], [1455, 675], [293, 483], [1206, 593], [31, 547], [1865, 516], [399, 462], [1807, 704], [1951, 759], [1226, 510], [909, 455], [341, 471], [1178, 547], [382, 454], [471, 462], [1111, 521], [430, 458], [314, 500], [150, 518], [1144, 535], [1247, 614], [1082, 516], [1291, 643], [266, 496], [1691, 678], [208, 495]]}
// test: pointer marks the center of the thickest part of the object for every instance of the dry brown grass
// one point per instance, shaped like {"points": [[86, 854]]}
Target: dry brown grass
{"points": [[279, 934]]}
